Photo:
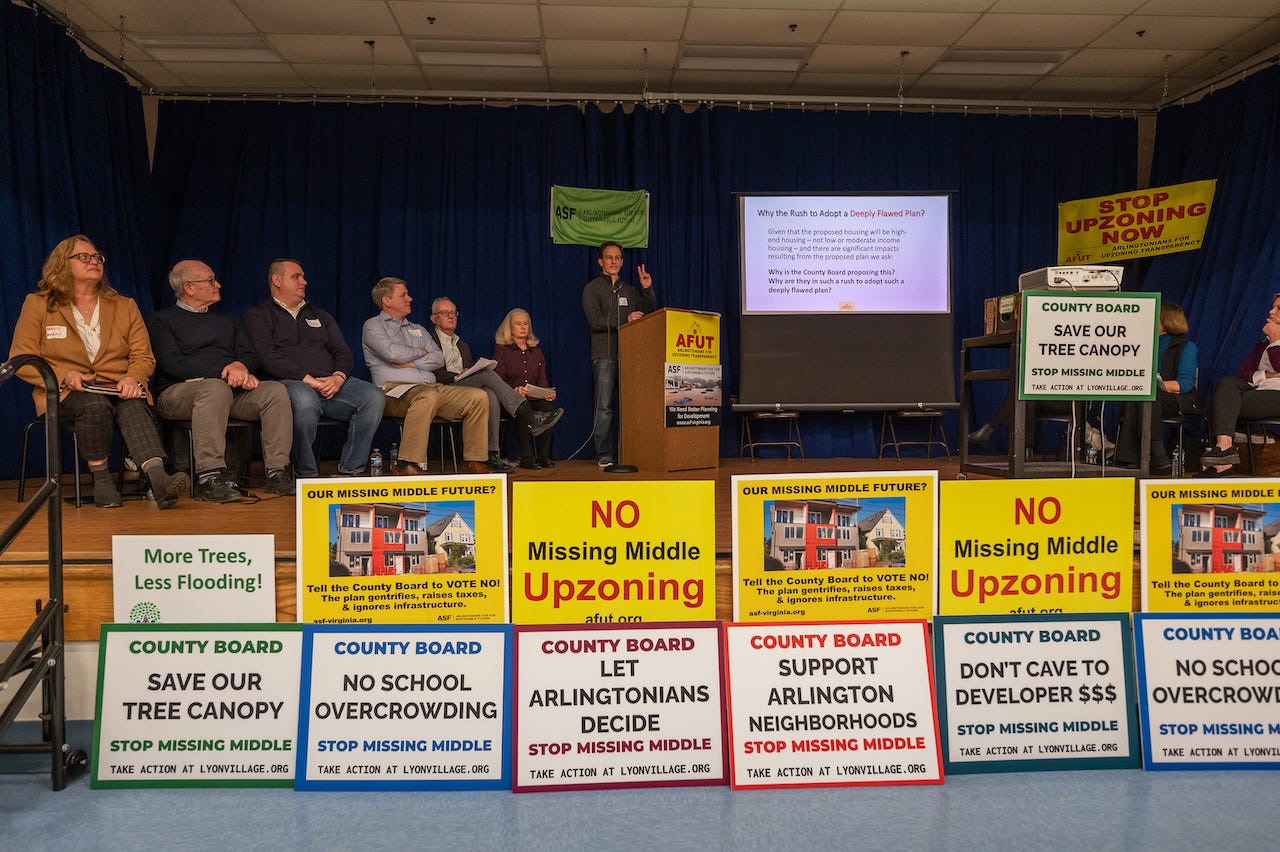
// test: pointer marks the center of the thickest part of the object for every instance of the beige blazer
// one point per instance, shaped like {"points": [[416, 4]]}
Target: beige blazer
{"points": [[51, 333]]}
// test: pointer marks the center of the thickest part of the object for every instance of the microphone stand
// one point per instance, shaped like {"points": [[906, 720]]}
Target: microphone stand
{"points": [[618, 466]]}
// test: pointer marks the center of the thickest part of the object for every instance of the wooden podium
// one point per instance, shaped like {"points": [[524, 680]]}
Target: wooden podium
{"points": [[646, 440]]}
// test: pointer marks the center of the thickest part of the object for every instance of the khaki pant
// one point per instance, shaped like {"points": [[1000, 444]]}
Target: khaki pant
{"points": [[209, 402], [423, 403]]}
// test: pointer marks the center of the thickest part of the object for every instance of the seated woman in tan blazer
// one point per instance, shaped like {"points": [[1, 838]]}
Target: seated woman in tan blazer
{"points": [[96, 343]]}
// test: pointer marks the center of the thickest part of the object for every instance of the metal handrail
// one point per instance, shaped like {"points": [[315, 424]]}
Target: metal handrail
{"points": [[42, 647]]}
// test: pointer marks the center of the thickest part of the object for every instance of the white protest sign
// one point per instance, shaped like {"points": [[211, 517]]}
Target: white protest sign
{"points": [[405, 707], [815, 705], [1089, 345], [1208, 687], [1043, 692], [190, 579], [607, 706], [187, 706]]}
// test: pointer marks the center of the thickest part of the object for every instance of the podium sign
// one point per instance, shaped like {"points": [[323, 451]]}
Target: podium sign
{"points": [[670, 388], [1089, 346]]}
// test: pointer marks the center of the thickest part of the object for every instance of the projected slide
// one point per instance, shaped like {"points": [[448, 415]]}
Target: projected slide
{"points": [[831, 254]]}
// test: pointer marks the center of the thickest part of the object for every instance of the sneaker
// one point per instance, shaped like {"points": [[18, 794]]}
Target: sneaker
{"points": [[544, 420], [1215, 456], [280, 481], [497, 464], [216, 488], [604, 461]]}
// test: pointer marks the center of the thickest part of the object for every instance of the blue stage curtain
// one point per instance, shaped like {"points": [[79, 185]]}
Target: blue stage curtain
{"points": [[456, 199], [74, 154], [1225, 287]]}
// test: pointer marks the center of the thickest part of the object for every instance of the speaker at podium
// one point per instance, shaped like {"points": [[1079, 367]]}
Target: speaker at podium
{"points": [[671, 390]]}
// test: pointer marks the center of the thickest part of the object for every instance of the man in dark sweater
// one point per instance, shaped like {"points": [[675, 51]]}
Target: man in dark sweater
{"points": [[301, 346], [204, 373], [608, 302]]}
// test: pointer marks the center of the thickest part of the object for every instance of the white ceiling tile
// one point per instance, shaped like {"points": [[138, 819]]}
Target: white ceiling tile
{"points": [[847, 85], [688, 83], [1224, 8], [319, 16], [599, 22], [919, 5], [110, 42], [872, 59], [766, 4], [1209, 65], [597, 45], [574, 53], [1264, 37], [1084, 89], [238, 76], [355, 78], [159, 16], [1107, 62], [1074, 7], [349, 49], [756, 26], [156, 74], [1173, 33], [488, 21], [629, 3], [1037, 32], [616, 82], [454, 77], [897, 28], [87, 18], [969, 86]]}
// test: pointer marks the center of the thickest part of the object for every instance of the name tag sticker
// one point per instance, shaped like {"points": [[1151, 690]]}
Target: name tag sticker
{"points": [[314, 323], [55, 332], [415, 332], [622, 301]]}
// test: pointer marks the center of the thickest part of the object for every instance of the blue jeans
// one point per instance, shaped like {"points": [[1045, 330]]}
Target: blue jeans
{"points": [[604, 372], [357, 402]]}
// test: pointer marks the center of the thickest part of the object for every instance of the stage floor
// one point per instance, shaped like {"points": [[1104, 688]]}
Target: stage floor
{"points": [[87, 533]]}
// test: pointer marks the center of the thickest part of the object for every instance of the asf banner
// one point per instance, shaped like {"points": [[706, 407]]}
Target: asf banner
{"points": [[1141, 223], [589, 217]]}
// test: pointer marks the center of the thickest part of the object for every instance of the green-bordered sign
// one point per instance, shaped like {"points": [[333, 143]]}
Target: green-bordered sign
{"points": [[589, 217], [196, 705], [1089, 345]]}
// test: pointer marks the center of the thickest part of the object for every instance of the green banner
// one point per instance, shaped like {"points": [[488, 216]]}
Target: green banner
{"points": [[589, 217]]}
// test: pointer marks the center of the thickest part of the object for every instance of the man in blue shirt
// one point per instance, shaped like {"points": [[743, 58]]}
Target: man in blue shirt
{"points": [[402, 359]]}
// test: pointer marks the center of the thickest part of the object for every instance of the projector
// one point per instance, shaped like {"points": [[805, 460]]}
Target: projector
{"points": [[1071, 278]]}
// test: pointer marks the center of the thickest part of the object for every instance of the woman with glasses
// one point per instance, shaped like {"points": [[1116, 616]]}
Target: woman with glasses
{"points": [[522, 365], [96, 343]]}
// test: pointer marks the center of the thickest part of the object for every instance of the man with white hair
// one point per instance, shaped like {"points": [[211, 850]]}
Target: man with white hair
{"points": [[204, 373]]}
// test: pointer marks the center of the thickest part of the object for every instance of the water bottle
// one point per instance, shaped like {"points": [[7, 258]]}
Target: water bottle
{"points": [[395, 454], [1179, 462], [375, 462], [1091, 455]]}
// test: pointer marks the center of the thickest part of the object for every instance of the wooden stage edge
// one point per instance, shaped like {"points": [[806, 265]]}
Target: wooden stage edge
{"points": [[87, 533]]}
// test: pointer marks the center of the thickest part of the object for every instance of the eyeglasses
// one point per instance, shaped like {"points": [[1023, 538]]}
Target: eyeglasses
{"points": [[89, 257], [446, 314], [202, 280]]}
